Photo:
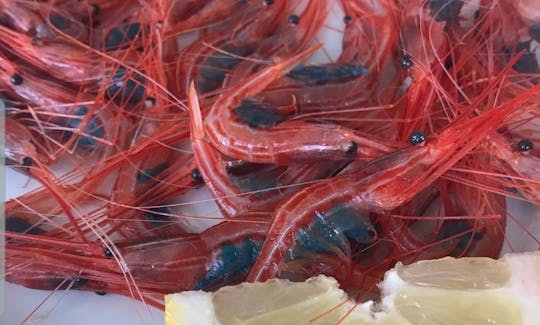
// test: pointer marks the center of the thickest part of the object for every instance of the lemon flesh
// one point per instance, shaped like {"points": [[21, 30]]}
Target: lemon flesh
{"points": [[446, 291]]}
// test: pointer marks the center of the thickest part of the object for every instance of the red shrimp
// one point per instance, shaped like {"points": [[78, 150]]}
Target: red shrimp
{"points": [[518, 159], [424, 47], [43, 20], [19, 146], [286, 41], [218, 256], [40, 92], [362, 75], [39, 208], [288, 141], [202, 63], [394, 179], [60, 59], [231, 198], [473, 224], [22, 18], [213, 13]]}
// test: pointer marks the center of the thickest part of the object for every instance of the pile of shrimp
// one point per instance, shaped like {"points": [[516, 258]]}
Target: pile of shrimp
{"points": [[403, 146]]}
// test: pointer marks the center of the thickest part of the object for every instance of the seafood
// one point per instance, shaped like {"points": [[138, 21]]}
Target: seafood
{"points": [[416, 166], [403, 145]]}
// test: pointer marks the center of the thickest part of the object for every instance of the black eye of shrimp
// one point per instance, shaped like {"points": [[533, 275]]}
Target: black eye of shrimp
{"points": [[417, 137], [269, 2], [294, 20], [347, 19], [352, 149], [16, 79], [78, 283], [26, 161], [406, 62], [107, 252], [196, 176], [525, 145]]}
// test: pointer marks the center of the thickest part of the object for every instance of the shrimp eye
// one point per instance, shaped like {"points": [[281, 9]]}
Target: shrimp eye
{"points": [[417, 137], [534, 32], [268, 2], [406, 62], [525, 145], [352, 149], [196, 176], [16, 79], [107, 252], [347, 19], [100, 293], [294, 19], [26, 161], [79, 282], [149, 102]]}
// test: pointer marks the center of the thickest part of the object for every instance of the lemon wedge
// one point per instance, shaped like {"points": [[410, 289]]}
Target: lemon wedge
{"points": [[446, 291]]}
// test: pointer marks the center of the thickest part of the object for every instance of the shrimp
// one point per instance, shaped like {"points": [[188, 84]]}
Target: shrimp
{"points": [[274, 145], [22, 18], [394, 179], [19, 143], [218, 256], [216, 12], [231, 197], [201, 63], [42, 20], [424, 44], [519, 159], [62, 60], [286, 40], [352, 80]]}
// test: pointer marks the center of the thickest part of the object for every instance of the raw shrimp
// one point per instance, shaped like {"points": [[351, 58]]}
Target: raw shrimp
{"points": [[62, 60], [394, 179], [520, 161], [291, 36], [19, 146], [213, 13], [265, 190], [361, 76], [423, 46], [220, 255], [202, 63], [287, 141]]}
